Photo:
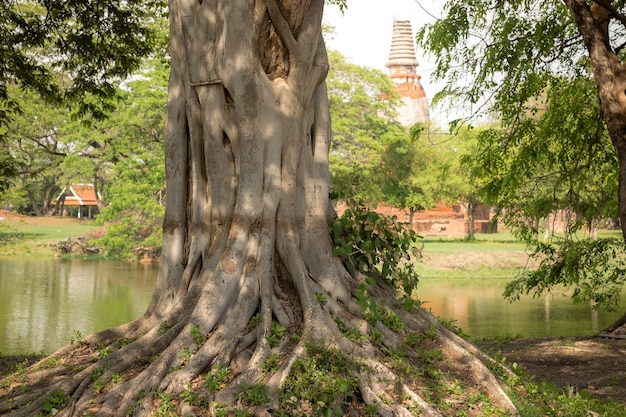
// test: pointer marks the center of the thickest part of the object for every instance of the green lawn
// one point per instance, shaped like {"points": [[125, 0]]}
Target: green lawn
{"points": [[496, 255], [29, 235]]}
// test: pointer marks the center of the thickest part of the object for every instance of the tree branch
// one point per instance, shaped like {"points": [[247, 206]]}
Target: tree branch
{"points": [[613, 11]]}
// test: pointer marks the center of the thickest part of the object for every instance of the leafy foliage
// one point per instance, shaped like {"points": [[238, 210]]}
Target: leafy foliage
{"points": [[133, 143], [410, 172], [554, 161], [69, 55], [501, 50], [277, 333], [372, 243], [55, 402], [218, 376], [594, 268], [35, 144], [256, 394], [423, 168], [122, 156], [72, 53]]}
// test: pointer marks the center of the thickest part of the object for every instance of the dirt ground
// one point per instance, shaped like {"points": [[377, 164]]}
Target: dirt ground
{"points": [[595, 365]]}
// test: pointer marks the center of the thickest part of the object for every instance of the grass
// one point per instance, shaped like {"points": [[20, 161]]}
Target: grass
{"points": [[21, 235], [496, 255]]}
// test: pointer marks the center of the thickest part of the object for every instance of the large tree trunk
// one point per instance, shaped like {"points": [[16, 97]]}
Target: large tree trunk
{"points": [[246, 234], [610, 75]]}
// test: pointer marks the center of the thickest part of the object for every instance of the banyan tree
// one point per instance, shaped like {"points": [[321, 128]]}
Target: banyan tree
{"points": [[249, 297]]}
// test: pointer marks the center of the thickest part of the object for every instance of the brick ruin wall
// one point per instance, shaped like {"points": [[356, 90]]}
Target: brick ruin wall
{"points": [[442, 220]]}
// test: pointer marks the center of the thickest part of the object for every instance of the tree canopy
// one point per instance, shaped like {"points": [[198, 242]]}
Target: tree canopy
{"points": [[70, 54]]}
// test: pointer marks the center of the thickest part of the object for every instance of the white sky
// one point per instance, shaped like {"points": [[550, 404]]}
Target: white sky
{"points": [[363, 33]]}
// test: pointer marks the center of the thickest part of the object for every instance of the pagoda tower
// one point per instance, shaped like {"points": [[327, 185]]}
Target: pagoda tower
{"points": [[402, 66]]}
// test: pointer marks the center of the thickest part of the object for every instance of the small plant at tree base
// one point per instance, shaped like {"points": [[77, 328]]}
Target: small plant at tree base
{"points": [[97, 373], [271, 364], [277, 333], [219, 410], [378, 247], [254, 321], [78, 338], [52, 361], [185, 355], [163, 327], [55, 402], [371, 242], [255, 395], [321, 298], [198, 337], [323, 380], [166, 408], [189, 396], [124, 341], [98, 386], [216, 379], [371, 410], [115, 379], [103, 351]]}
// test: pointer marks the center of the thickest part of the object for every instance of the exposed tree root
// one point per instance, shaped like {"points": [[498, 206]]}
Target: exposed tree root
{"points": [[616, 330], [160, 366]]}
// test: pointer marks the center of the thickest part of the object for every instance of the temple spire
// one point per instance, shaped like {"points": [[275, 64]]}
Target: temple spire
{"points": [[402, 50], [402, 66]]}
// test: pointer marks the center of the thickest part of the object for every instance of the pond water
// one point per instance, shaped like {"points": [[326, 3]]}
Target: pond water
{"points": [[43, 302], [477, 307]]}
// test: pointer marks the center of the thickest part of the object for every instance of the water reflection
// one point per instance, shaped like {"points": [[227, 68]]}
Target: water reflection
{"points": [[479, 310], [43, 301]]}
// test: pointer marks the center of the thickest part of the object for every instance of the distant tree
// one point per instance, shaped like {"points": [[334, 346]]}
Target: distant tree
{"points": [[412, 175], [35, 143], [52, 150], [461, 184], [558, 161], [363, 107], [132, 144]]}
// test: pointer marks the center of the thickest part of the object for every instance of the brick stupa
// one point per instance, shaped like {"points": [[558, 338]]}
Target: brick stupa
{"points": [[402, 66]]}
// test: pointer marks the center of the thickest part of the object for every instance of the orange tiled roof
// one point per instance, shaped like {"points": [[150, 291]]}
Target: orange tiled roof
{"points": [[80, 195]]}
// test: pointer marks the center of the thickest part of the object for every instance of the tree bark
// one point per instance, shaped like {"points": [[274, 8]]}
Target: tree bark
{"points": [[246, 233]]}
